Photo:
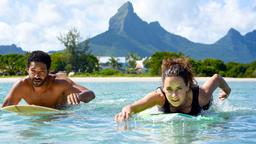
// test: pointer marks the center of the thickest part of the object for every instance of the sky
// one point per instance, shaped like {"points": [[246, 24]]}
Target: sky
{"points": [[36, 24]]}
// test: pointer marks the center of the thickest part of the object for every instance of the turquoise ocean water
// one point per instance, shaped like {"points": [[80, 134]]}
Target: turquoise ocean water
{"points": [[232, 121]]}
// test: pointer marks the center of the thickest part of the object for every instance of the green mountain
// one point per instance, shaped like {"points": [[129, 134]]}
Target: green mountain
{"points": [[128, 33], [10, 49]]}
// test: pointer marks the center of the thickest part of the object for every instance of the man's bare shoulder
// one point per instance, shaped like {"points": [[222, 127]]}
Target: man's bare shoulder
{"points": [[22, 84], [59, 79], [23, 81]]}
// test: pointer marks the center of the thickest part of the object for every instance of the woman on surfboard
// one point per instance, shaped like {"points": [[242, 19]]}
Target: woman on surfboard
{"points": [[179, 92]]}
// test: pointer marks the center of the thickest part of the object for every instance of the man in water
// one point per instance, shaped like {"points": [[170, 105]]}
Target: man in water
{"points": [[44, 89]]}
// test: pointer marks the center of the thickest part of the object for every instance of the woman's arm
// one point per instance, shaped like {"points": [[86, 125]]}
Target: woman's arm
{"points": [[207, 89], [150, 100]]}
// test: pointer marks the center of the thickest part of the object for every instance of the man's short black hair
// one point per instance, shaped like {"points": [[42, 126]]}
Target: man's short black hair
{"points": [[39, 56]]}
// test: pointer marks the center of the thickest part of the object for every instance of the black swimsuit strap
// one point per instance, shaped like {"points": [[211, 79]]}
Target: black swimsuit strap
{"points": [[166, 107], [195, 109]]}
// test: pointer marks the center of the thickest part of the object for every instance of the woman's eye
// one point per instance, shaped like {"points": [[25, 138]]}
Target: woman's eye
{"points": [[179, 89]]}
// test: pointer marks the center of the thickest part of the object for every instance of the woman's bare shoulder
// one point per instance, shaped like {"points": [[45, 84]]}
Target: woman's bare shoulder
{"points": [[158, 95], [203, 99]]}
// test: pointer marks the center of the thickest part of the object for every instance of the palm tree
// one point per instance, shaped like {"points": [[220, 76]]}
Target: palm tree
{"points": [[114, 63], [131, 58]]}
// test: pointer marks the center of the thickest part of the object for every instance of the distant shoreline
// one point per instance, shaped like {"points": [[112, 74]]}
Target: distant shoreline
{"points": [[125, 79]]}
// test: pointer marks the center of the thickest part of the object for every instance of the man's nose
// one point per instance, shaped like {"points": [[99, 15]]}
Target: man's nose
{"points": [[36, 75]]}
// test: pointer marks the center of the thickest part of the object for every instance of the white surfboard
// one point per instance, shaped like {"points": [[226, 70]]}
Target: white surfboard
{"points": [[154, 115], [29, 109], [160, 117]]}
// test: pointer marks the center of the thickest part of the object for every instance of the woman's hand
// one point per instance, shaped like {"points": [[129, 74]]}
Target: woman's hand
{"points": [[223, 95], [124, 115]]}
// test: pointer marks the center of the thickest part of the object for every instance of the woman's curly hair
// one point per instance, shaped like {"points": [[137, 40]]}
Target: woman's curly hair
{"points": [[178, 67]]}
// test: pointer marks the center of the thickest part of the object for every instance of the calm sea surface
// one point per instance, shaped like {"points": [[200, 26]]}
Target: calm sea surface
{"points": [[232, 121]]}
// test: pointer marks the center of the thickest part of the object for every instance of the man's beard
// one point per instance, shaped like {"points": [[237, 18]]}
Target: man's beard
{"points": [[37, 82]]}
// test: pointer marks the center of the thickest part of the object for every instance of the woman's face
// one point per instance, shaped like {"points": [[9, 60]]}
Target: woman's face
{"points": [[175, 90]]}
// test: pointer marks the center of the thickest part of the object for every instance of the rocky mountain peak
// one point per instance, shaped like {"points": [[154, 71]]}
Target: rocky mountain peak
{"points": [[125, 13]]}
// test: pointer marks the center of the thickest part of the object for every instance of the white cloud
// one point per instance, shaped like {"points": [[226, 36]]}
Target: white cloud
{"points": [[47, 14], [199, 21], [6, 33], [218, 18], [27, 35], [36, 24], [4, 7]]}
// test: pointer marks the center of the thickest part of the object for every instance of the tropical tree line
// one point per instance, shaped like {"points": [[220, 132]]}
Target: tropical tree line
{"points": [[76, 56], [203, 68], [15, 64]]}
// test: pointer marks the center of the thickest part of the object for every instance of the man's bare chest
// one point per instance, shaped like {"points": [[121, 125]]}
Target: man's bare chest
{"points": [[48, 98]]}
